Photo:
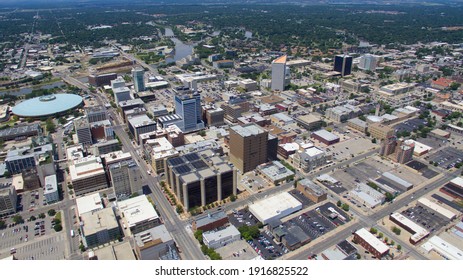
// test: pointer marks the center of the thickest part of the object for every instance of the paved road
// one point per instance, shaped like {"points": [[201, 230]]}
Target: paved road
{"points": [[369, 221], [177, 228]]}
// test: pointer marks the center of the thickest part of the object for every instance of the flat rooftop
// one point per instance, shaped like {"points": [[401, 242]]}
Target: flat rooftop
{"points": [[51, 184], [97, 221], [417, 231], [275, 205], [89, 203], [325, 134], [86, 167], [19, 130], [137, 209], [248, 130], [210, 218], [374, 242], [140, 120], [444, 248], [437, 208], [152, 237], [281, 60]]}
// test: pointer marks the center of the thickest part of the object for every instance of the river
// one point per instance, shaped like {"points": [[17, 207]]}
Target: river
{"points": [[181, 49], [27, 90]]}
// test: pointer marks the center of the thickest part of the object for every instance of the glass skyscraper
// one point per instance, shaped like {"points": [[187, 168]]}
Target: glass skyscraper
{"points": [[189, 108], [138, 79]]}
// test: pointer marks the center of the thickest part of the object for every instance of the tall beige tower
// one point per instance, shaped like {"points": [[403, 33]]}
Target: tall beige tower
{"points": [[248, 146]]}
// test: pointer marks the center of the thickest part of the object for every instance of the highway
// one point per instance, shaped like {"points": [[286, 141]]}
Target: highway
{"points": [[178, 229]]}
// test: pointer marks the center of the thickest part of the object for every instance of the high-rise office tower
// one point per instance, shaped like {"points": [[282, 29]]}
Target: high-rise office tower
{"points": [[138, 79], [96, 114], [189, 108], [84, 135], [8, 199], [126, 178], [279, 77], [248, 146], [369, 62], [343, 64]]}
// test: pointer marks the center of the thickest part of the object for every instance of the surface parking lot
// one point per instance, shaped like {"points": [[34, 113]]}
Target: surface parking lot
{"points": [[241, 218], [425, 218], [18, 234], [446, 158], [51, 248], [316, 223], [302, 198], [360, 172], [353, 146], [423, 169], [266, 247]]}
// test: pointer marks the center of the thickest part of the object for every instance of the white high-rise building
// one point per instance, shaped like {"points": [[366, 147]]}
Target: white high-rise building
{"points": [[280, 73], [369, 62]]}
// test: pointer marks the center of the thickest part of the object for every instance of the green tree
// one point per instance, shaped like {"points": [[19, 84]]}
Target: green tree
{"points": [[18, 219], [373, 230], [249, 232], [41, 216], [232, 197], [51, 212], [399, 247], [454, 86], [50, 125], [339, 203], [2, 224], [179, 209], [380, 235], [345, 207], [58, 227], [396, 230], [199, 235], [82, 247], [389, 196], [33, 218]]}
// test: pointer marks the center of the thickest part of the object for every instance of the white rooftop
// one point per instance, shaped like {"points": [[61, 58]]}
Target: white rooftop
{"points": [[374, 242], [325, 134], [419, 232], [420, 147], [396, 179], [275, 206], [248, 130], [212, 236], [89, 203], [102, 220], [140, 120], [86, 167], [137, 209], [457, 181], [437, 208], [443, 248], [116, 156], [314, 151], [51, 184], [290, 146]]}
